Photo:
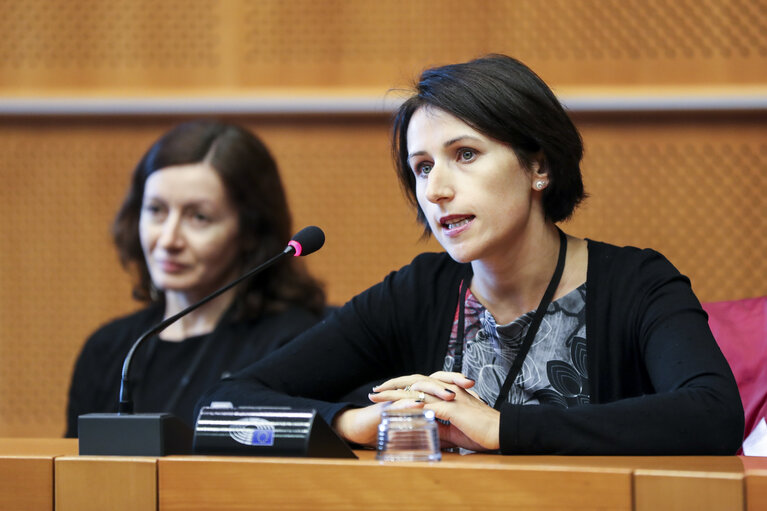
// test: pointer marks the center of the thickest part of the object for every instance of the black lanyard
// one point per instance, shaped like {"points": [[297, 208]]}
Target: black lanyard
{"points": [[516, 367]]}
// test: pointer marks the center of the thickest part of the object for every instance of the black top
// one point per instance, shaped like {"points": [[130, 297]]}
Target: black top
{"points": [[659, 383], [159, 366]]}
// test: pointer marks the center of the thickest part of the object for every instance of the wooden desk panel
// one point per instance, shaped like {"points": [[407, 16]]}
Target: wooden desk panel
{"points": [[84, 483], [667, 483], [668, 490], [755, 468], [26, 471], [26, 483], [664, 482], [33, 476], [460, 482]]}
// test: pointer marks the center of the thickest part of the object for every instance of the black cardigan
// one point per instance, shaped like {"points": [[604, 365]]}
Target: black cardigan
{"points": [[659, 383], [234, 345]]}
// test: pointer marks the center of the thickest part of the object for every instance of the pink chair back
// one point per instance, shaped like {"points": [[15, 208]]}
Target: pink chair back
{"points": [[740, 329]]}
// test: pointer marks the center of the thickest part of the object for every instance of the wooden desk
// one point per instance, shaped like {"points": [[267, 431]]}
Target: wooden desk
{"points": [[36, 473], [116, 483], [458, 482], [690, 483], [755, 469], [26, 471], [462, 482]]}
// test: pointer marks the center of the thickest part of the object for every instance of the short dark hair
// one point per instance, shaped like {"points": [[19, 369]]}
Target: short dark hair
{"points": [[504, 99], [253, 186]]}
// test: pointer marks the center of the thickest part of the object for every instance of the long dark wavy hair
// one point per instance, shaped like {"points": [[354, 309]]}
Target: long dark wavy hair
{"points": [[253, 186]]}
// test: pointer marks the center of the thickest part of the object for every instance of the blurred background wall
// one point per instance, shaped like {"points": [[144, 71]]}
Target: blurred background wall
{"points": [[670, 97]]}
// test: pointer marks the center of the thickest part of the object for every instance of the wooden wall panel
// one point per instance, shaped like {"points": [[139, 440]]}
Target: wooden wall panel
{"points": [[339, 175], [692, 188], [235, 46], [54, 46], [569, 42], [59, 276]]}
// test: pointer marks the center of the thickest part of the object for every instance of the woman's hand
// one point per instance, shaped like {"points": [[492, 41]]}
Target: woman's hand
{"points": [[471, 423], [360, 425], [466, 420]]}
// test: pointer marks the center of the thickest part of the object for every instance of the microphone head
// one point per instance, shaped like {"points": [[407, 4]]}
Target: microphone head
{"points": [[306, 241]]}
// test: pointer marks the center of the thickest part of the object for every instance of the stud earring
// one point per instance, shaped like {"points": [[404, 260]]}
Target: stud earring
{"points": [[539, 185]]}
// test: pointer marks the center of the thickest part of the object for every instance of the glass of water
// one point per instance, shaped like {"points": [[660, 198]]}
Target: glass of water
{"points": [[408, 435]]}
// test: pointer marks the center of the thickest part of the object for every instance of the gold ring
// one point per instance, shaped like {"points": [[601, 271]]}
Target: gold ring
{"points": [[421, 396]]}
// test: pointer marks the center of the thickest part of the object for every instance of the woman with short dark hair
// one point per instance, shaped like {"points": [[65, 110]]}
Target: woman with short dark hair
{"points": [[205, 204], [502, 98], [521, 339]]}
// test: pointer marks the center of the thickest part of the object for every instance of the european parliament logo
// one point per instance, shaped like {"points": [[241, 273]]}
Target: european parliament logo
{"points": [[252, 431]]}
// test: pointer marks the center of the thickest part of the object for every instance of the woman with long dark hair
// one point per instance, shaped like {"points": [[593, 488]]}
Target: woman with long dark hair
{"points": [[205, 204]]}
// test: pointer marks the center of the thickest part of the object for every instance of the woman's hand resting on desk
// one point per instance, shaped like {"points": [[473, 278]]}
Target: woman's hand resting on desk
{"points": [[360, 425], [472, 423]]}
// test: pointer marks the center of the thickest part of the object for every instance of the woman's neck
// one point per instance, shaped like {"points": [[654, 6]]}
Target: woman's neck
{"points": [[200, 321], [513, 286]]}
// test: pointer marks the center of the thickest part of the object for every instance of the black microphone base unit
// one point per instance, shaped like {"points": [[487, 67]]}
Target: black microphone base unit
{"points": [[267, 431], [243, 431], [140, 434]]}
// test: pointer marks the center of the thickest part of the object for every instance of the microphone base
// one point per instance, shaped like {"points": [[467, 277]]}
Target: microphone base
{"points": [[141, 434], [267, 431]]}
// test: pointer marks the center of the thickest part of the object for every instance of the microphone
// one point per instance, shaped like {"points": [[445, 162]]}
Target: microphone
{"points": [[127, 434], [306, 241]]}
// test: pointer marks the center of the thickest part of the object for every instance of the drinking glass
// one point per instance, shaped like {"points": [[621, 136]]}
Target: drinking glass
{"points": [[408, 435]]}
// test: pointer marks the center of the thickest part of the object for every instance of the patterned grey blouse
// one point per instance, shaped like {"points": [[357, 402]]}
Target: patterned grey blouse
{"points": [[554, 371]]}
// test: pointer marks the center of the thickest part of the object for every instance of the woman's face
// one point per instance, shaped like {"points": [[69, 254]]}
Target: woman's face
{"points": [[189, 230], [476, 196]]}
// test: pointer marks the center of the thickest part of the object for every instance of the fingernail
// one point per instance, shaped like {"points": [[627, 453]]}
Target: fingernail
{"points": [[448, 390]]}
